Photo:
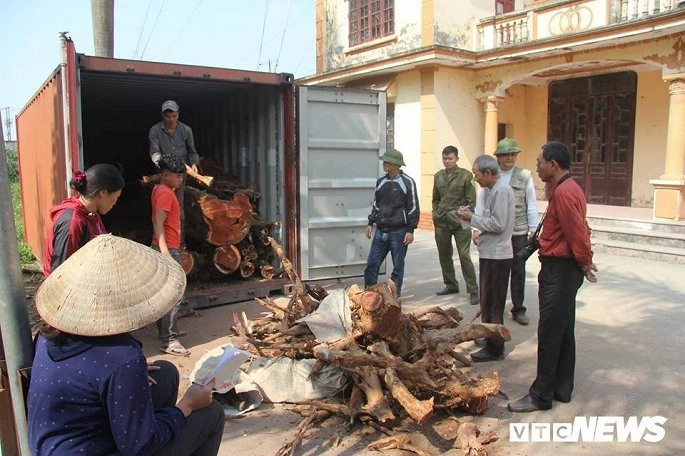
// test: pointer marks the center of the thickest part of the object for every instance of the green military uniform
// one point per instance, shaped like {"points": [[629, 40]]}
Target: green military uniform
{"points": [[451, 191]]}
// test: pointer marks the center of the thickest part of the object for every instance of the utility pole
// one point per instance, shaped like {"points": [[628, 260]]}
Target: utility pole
{"points": [[16, 349], [102, 12]]}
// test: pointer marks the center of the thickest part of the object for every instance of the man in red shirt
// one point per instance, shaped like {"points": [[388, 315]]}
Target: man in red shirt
{"points": [[566, 258], [166, 238]]}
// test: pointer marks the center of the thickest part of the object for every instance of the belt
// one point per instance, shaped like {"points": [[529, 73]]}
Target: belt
{"points": [[544, 259]]}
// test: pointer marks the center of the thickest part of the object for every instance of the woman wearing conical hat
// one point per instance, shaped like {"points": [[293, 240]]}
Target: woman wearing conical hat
{"points": [[90, 392]]}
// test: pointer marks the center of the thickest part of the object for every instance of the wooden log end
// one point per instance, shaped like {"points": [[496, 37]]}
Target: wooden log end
{"points": [[226, 259], [246, 269], [267, 271], [187, 261], [371, 301]]}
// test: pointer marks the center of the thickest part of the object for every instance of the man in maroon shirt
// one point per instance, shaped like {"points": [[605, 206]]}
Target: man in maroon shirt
{"points": [[566, 258]]}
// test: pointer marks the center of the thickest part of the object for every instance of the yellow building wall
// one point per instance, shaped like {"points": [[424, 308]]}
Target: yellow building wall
{"points": [[651, 128], [336, 49], [408, 122], [657, 52], [456, 27], [524, 112], [459, 116]]}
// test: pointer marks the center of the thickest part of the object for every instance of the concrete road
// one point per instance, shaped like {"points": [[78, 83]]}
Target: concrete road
{"points": [[629, 333]]}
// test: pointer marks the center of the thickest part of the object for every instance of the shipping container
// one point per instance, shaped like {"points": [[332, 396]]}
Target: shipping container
{"points": [[311, 153]]}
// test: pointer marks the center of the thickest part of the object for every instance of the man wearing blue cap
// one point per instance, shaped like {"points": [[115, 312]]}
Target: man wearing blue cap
{"points": [[394, 216]]}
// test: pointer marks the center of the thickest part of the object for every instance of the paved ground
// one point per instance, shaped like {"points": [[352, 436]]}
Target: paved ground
{"points": [[630, 333]]}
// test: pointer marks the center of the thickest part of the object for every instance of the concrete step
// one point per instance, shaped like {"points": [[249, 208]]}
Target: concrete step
{"points": [[638, 236], [635, 224], [651, 252]]}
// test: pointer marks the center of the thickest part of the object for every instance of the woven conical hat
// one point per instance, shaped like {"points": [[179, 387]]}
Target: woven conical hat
{"points": [[109, 286]]}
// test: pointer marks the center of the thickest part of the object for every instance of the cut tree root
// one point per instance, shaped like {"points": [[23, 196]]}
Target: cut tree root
{"points": [[468, 441], [402, 364], [396, 442], [288, 449]]}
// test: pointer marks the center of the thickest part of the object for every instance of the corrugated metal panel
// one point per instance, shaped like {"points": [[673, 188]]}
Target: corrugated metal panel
{"points": [[239, 125], [342, 132], [40, 141], [181, 72]]}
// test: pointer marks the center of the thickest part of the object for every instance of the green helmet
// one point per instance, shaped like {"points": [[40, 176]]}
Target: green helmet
{"points": [[393, 156], [507, 146]]}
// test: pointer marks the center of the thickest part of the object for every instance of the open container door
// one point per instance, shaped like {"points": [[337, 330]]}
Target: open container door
{"points": [[48, 132], [341, 134]]}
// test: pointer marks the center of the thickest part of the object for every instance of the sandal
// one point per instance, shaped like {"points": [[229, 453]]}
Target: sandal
{"points": [[180, 333], [175, 348]]}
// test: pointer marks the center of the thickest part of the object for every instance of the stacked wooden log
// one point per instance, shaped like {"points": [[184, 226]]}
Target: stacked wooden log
{"points": [[225, 236], [402, 364]]}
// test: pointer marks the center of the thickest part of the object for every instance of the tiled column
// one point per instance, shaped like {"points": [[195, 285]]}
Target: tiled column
{"points": [[429, 148], [669, 189], [491, 120]]}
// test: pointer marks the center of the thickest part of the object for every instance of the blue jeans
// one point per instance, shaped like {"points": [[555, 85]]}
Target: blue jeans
{"points": [[382, 243], [167, 326]]}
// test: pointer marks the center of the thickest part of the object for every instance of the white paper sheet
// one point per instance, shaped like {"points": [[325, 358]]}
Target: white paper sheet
{"points": [[222, 364]]}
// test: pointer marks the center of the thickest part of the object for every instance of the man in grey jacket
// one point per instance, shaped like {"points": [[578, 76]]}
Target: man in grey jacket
{"points": [[496, 224], [170, 136]]}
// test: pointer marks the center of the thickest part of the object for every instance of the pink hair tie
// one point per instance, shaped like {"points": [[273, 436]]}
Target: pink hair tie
{"points": [[79, 177]]}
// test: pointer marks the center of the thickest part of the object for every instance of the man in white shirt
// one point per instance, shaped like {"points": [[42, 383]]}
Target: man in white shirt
{"points": [[525, 218]]}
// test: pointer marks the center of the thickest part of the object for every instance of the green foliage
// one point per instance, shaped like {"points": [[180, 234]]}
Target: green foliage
{"points": [[25, 254]]}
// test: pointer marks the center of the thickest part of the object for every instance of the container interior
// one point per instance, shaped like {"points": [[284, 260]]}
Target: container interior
{"points": [[239, 126]]}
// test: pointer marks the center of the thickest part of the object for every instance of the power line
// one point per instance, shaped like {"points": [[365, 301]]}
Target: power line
{"points": [[178, 35], [159, 13], [250, 53], [261, 41], [285, 27], [142, 27], [8, 124]]}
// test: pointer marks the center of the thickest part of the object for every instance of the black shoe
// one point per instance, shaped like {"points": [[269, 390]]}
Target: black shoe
{"points": [[481, 342], [447, 291], [559, 398], [483, 355], [474, 299], [520, 318], [526, 405]]}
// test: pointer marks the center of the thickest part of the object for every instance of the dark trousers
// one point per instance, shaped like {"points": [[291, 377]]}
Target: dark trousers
{"points": [[494, 281], [559, 281], [382, 243], [518, 276], [443, 241], [204, 428]]}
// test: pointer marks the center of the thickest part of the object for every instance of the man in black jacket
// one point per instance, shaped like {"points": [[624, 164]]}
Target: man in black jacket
{"points": [[395, 216]]}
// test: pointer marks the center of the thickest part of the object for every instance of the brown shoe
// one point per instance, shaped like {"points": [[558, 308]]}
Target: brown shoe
{"points": [[526, 405]]}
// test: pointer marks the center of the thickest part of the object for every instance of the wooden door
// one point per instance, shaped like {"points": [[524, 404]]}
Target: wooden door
{"points": [[595, 117]]}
